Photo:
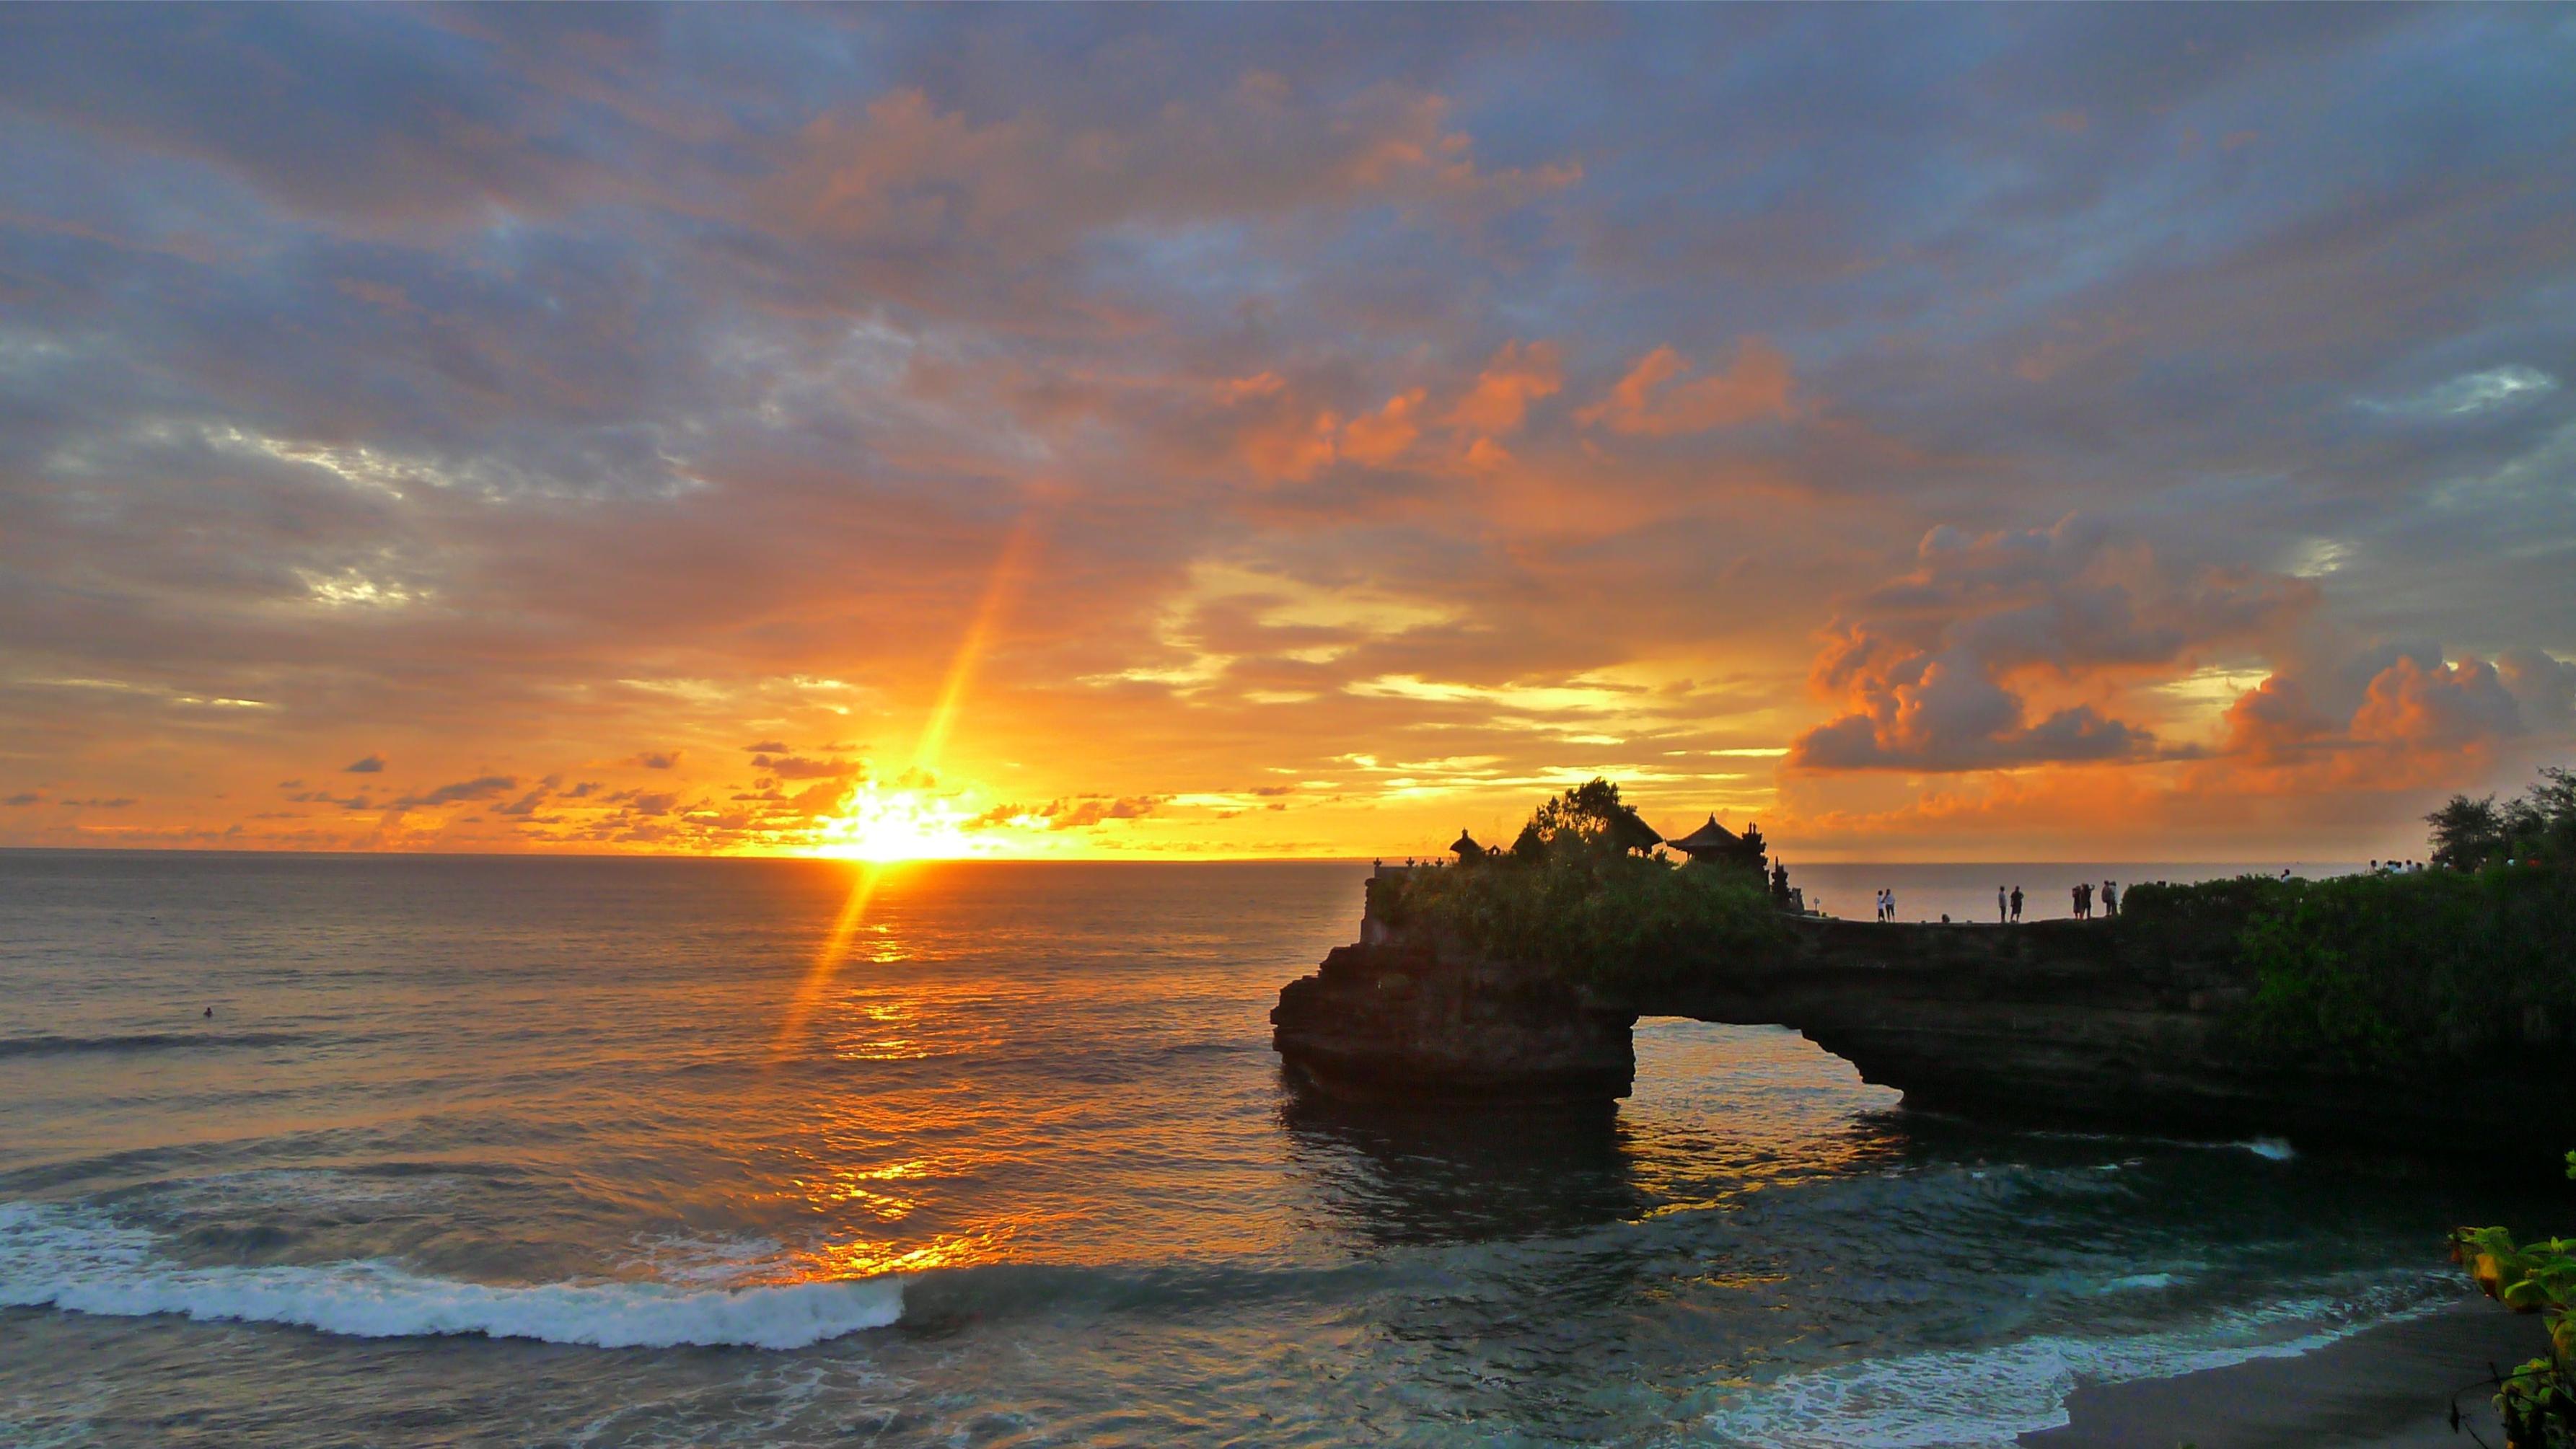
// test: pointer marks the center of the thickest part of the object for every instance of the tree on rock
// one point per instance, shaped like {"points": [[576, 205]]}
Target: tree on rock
{"points": [[1589, 819]]}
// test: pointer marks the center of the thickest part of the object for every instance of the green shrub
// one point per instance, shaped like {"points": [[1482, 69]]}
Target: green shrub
{"points": [[2384, 973], [1579, 895], [2538, 1400]]}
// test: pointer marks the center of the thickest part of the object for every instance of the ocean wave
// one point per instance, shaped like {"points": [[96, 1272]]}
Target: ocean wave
{"points": [[76, 1260], [1986, 1398], [142, 1041]]}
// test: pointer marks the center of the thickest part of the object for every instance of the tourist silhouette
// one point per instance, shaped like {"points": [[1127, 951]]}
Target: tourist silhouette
{"points": [[2002, 912], [2016, 903]]}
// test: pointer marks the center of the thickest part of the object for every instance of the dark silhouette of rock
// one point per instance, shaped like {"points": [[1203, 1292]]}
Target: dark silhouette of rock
{"points": [[2091, 1024], [1398, 1022]]}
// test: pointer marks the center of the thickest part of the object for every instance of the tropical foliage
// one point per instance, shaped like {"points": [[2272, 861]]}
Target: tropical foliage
{"points": [[1582, 890], [2469, 834], [2400, 972], [2381, 973], [1588, 820], [2538, 1400]]}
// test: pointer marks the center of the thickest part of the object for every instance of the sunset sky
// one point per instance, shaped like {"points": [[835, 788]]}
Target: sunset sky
{"points": [[2128, 433]]}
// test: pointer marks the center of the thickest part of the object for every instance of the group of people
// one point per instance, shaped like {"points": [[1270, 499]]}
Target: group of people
{"points": [[2008, 902], [2396, 867], [2084, 899]]}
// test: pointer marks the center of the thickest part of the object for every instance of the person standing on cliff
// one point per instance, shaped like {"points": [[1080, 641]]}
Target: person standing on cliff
{"points": [[2003, 913], [2110, 898], [2016, 905], [2083, 899], [1891, 903]]}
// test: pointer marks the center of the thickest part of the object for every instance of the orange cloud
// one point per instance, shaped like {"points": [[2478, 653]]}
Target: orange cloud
{"points": [[1499, 400], [1657, 400], [2445, 707], [1380, 438], [1935, 668]]}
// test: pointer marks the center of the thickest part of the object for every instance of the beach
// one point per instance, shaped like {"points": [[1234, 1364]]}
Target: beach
{"points": [[2389, 1387]]}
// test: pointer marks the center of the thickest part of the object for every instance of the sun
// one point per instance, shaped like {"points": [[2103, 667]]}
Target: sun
{"points": [[883, 825]]}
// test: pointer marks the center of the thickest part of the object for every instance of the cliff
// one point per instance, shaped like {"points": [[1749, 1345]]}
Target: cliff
{"points": [[2093, 1024], [1405, 1021]]}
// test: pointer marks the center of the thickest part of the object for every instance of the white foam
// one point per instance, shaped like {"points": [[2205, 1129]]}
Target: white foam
{"points": [[2270, 1147], [74, 1260], [703, 1262], [1987, 1398]]}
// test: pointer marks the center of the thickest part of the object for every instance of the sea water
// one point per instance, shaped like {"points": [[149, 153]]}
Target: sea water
{"points": [[615, 1152]]}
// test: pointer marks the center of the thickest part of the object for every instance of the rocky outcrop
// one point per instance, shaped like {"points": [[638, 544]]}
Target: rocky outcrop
{"points": [[1402, 1021], [2081, 1023]]}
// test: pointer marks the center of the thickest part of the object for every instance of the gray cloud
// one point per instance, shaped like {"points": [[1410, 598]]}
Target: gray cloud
{"points": [[433, 376], [1934, 665], [482, 787]]}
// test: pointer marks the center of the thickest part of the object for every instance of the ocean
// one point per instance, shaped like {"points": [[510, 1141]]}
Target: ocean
{"points": [[589, 1152]]}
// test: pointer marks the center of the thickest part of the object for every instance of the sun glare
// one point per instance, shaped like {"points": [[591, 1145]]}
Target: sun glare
{"points": [[889, 825]]}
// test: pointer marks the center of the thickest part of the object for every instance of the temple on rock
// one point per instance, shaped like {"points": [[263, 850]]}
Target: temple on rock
{"points": [[1714, 844]]}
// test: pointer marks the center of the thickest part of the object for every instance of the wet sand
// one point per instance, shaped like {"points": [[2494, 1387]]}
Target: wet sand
{"points": [[2383, 1388]]}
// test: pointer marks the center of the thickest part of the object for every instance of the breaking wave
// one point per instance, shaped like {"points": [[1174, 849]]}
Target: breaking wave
{"points": [[1989, 1397], [79, 1261], [141, 1041]]}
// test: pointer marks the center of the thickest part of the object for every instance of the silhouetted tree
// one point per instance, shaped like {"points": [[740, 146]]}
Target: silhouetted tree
{"points": [[2468, 834], [1590, 817]]}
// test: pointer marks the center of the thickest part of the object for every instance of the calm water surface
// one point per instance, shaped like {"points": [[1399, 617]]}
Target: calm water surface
{"points": [[587, 1152]]}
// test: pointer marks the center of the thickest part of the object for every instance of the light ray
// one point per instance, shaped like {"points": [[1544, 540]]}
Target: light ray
{"points": [[1008, 571]]}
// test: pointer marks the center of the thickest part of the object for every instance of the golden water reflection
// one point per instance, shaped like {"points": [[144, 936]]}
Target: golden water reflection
{"points": [[869, 1258], [862, 1187], [880, 1034]]}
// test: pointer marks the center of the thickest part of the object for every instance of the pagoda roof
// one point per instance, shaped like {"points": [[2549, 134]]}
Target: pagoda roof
{"points": [[1630, 831], [1711, 836], [1466, 844]]}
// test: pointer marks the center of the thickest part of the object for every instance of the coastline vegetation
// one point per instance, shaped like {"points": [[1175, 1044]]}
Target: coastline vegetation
{"points": [[2404, 972], [2394, 974], [2538, 1400], [1584, 890], [2531, 839]]}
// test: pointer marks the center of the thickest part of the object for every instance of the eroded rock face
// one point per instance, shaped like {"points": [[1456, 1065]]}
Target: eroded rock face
{"points": [[1399, 1020], [2078, 1023]]}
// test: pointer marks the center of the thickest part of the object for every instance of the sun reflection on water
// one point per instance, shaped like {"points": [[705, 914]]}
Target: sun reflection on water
{"points": [[869, 1258], [858, 1185], [880, 1035]]}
